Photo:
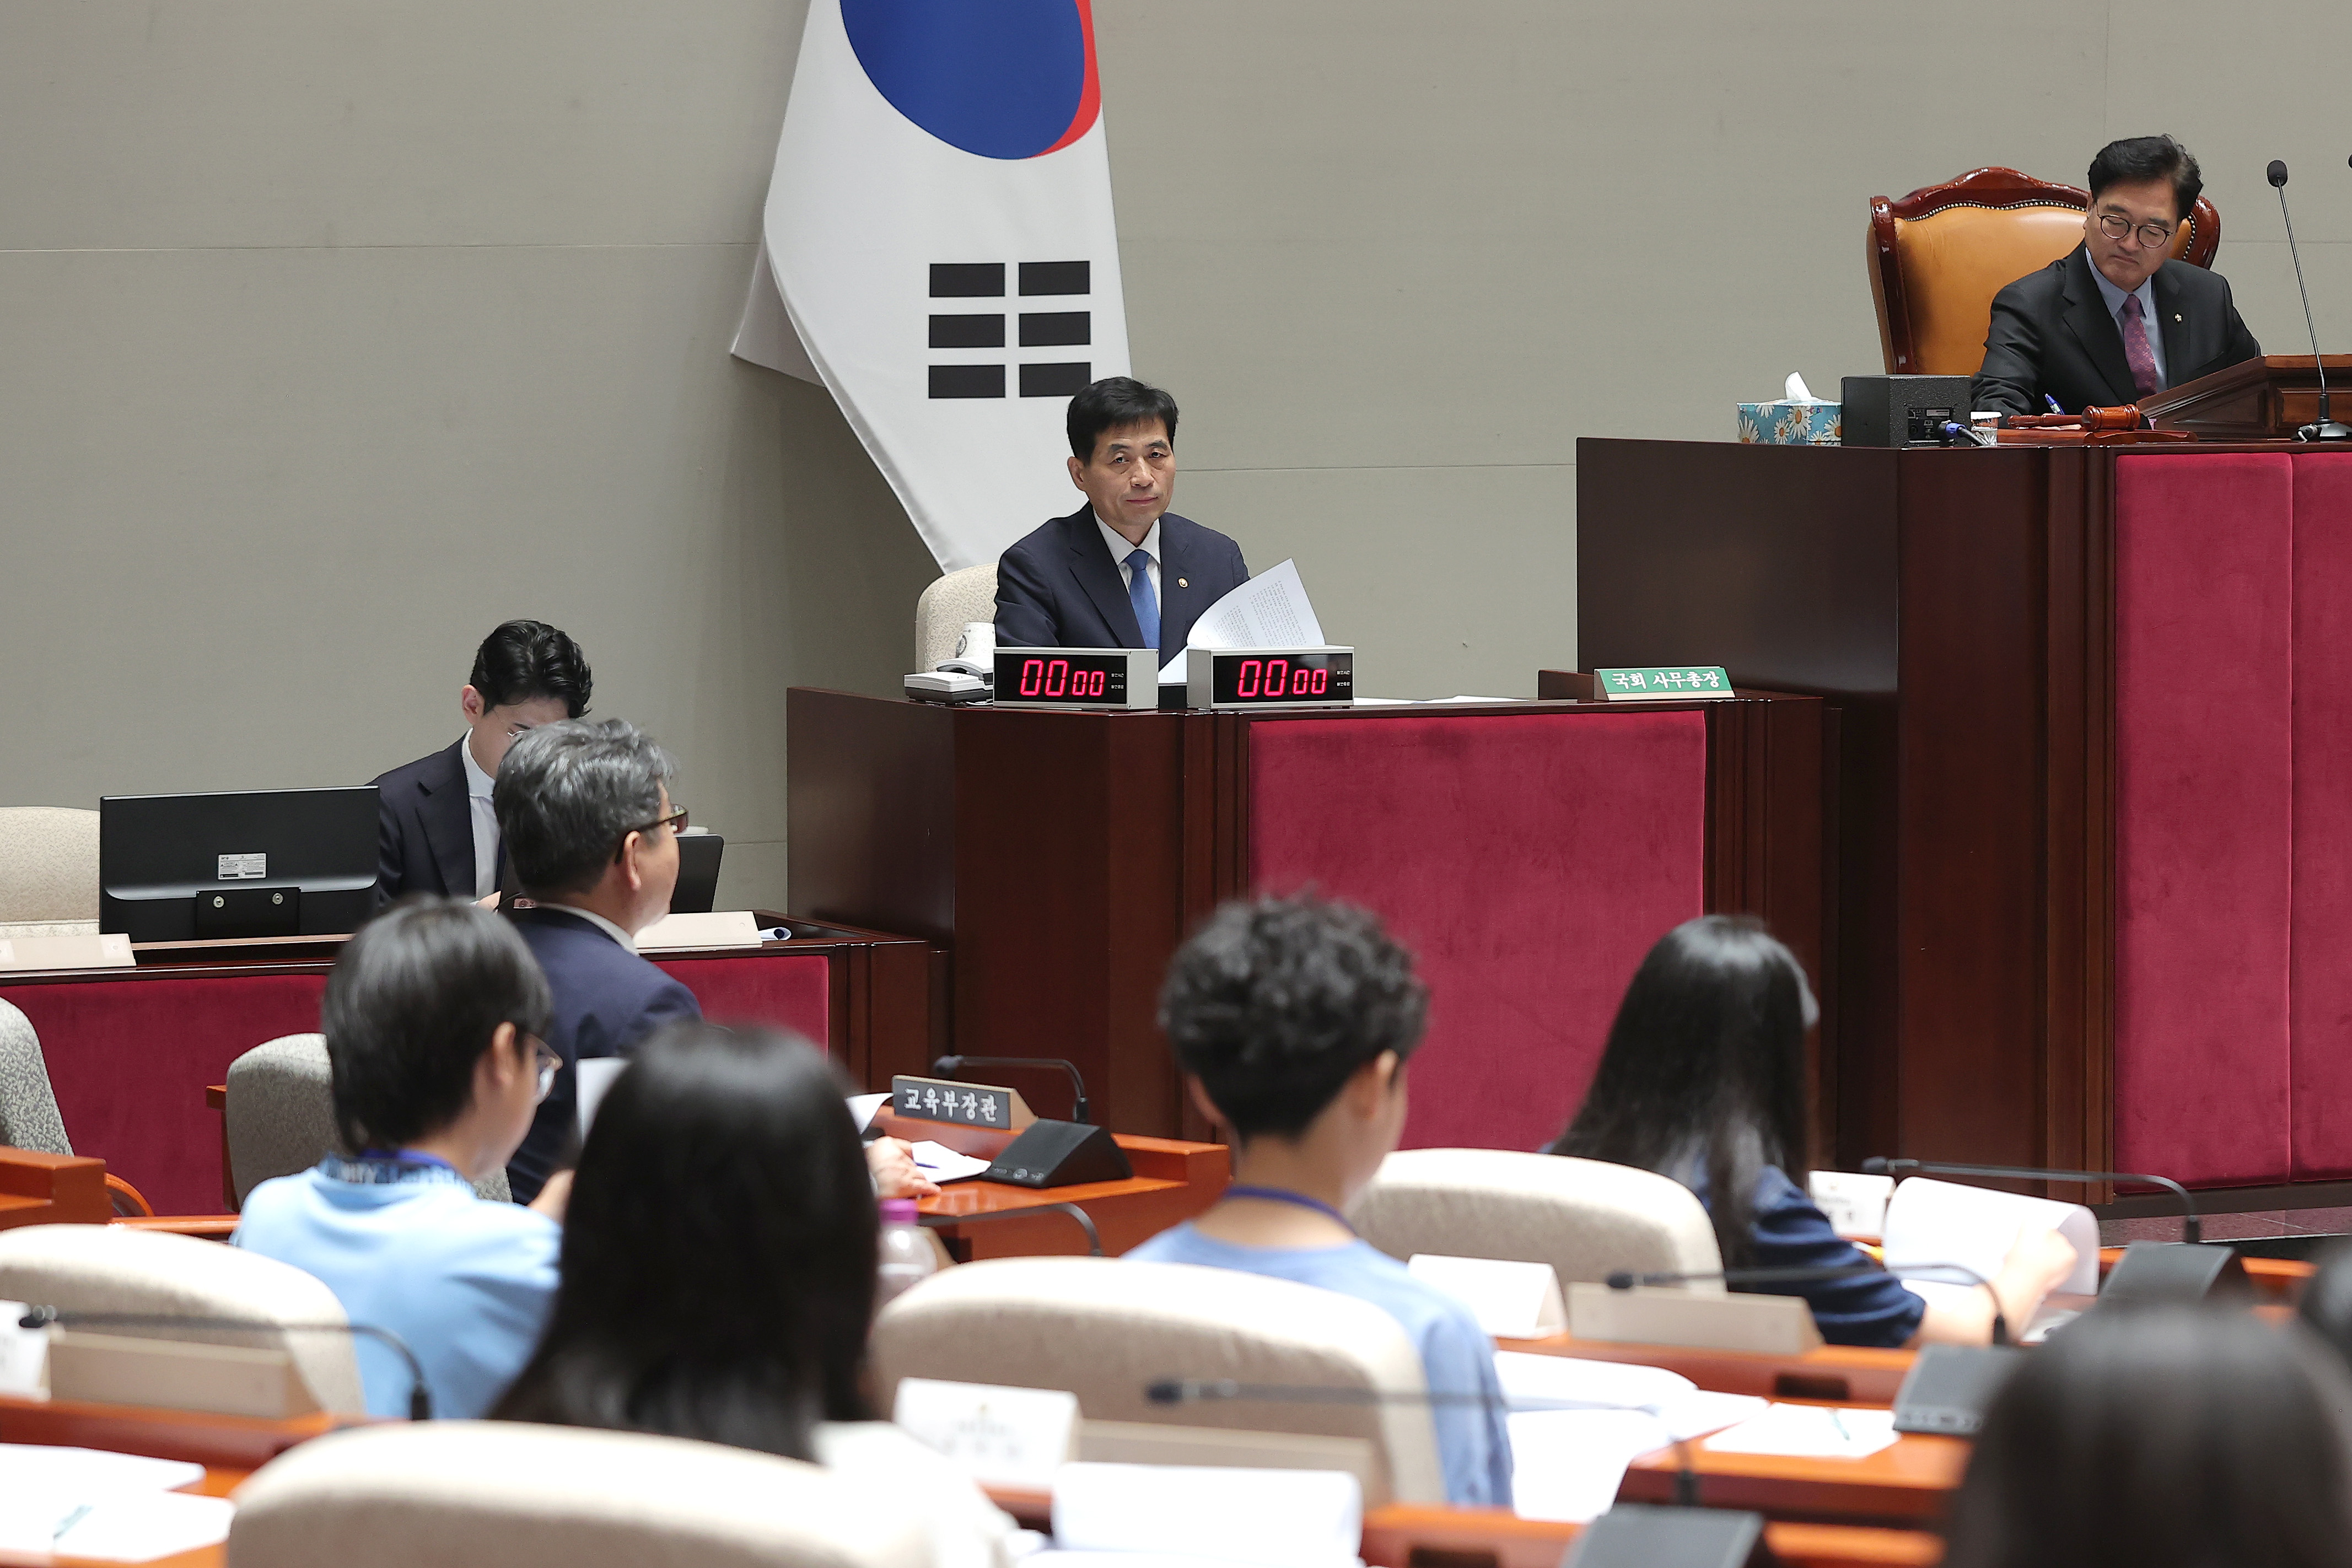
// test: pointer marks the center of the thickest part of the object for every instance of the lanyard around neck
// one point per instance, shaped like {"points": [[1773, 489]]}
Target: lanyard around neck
{"points": [[1283, 1194]]}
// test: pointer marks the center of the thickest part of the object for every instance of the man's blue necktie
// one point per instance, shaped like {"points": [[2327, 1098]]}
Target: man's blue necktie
{"points": [[1139, 595]]}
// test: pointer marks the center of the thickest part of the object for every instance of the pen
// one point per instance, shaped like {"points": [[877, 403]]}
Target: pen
{"points": [[1837, 1419], [76, 1517], [2052, 402]]}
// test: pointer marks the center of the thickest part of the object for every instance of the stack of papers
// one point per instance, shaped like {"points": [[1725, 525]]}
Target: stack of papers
{"points": [[119, 1508], [1576, 1425], [1269, 610], [942, 1164]]}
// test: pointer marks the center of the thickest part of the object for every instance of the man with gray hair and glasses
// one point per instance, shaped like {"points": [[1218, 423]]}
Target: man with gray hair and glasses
{"points": [[590, 838]]}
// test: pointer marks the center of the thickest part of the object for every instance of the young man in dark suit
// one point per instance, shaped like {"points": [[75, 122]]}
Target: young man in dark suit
{"points": [[1121, 571], [2116, 320], [439, 832], [592, 840]]}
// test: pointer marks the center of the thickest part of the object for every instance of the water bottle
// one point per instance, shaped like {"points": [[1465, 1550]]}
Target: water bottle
{"points": [[906, 1256]]}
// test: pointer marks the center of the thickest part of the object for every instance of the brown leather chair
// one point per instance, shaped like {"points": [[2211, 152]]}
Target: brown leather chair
{"points": [[1939, 255]]}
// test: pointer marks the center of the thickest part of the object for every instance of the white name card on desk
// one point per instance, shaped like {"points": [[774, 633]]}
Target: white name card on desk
{"points": [[998, 1436], [685, 933], [1854, 1203], [1512, 1301], [1277, 1519], [80, 950], [1650, 1314], [1930, 1221]]}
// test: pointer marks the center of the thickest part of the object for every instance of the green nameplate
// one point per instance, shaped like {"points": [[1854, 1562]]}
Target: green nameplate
{"points": [[1667, 683]]}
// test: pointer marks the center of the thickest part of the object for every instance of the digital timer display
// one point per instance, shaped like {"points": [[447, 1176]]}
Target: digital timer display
{"points": [[1076, 678], [1273, 677]]}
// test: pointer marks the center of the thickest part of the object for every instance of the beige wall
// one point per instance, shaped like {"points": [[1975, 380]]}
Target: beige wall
{"points": [[332, 333]]}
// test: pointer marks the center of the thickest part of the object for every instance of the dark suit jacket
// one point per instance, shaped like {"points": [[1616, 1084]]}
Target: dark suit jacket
{"points": [[1059, 588], [2051, 333], [606, 1000], [425, 835]]}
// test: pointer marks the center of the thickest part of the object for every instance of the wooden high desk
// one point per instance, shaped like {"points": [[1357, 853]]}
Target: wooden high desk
{"points": [[1527, 853], [2092, 732]]}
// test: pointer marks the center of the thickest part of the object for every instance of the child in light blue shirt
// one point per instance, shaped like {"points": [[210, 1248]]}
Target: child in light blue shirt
{"points": [[432, 1017], [1293, 1020]]}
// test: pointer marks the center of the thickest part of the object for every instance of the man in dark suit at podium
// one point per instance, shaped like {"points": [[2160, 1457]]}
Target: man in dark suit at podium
{"points": [[1121, 571], [2117, 321], [438, 831]]}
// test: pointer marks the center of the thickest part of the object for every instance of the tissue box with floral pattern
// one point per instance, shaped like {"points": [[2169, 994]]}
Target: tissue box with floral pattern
{"points": [[1788, 423]]}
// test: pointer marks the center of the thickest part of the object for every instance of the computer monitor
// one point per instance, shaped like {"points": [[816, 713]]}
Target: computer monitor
{"points": [[252, 862]]}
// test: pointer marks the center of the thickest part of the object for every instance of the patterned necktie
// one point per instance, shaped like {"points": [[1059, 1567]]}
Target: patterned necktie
{"points": [[1139, 595], [2135, 348]]}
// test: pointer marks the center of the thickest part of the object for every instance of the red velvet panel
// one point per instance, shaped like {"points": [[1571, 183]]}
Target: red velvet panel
{"points": [[130, 1060], [1529, 862], [2322, 951], [790, 990], [2203, 825]]}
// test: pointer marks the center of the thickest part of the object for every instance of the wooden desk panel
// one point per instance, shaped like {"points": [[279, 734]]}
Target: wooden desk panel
{"points": [[1908, 1485], [52, 1189], [1066, 854], [1408, 1535], [1172, 1182]]}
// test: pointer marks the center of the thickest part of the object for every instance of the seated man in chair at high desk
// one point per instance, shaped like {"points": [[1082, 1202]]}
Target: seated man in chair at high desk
{"points": [[1121, 571], [2116, 320]]}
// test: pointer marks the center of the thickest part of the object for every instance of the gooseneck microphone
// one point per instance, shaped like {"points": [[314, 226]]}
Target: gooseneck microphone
{"points": [[2324, 428], [953, 1066], [1625, 1279], [2192, 1230], [420, 1398]]}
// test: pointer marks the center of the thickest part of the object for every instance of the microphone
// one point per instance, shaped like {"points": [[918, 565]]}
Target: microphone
{"points": [[420, 1398], [2193, 1228], [953, 1066], [1201, 1390], [1625, 1279], [2324, 428]]}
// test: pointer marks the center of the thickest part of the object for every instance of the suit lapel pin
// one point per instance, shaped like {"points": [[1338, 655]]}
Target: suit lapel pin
{"points": [[1181, 583], [2176, 315]]}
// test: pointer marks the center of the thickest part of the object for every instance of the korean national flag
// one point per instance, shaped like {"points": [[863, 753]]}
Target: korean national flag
{"points": [[940, 252]]}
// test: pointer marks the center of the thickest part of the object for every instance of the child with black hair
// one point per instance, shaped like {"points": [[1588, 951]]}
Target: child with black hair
{"points": [[434, 1017], [1293, 1021]]}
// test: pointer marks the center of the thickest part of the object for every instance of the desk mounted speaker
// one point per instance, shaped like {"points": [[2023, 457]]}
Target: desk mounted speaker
{"points": [[1950, 1387], [2162, 1274], [1060, 1154], [1635, 1535]]}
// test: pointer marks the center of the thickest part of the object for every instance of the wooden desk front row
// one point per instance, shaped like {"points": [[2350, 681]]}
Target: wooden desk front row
{"points": [[1396, 1536]]}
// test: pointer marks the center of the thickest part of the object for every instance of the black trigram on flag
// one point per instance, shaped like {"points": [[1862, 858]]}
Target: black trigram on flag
{"points": [[984, 280]]}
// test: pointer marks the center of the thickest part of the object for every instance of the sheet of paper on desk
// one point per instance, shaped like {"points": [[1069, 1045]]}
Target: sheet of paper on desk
{"points": [[77, 1476], [1562, 1381], [1567, 1464], [1810, 1432], [942, 1164], [136, 1529], [1280, 1519], [1269, 610], [863, 1106]]}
